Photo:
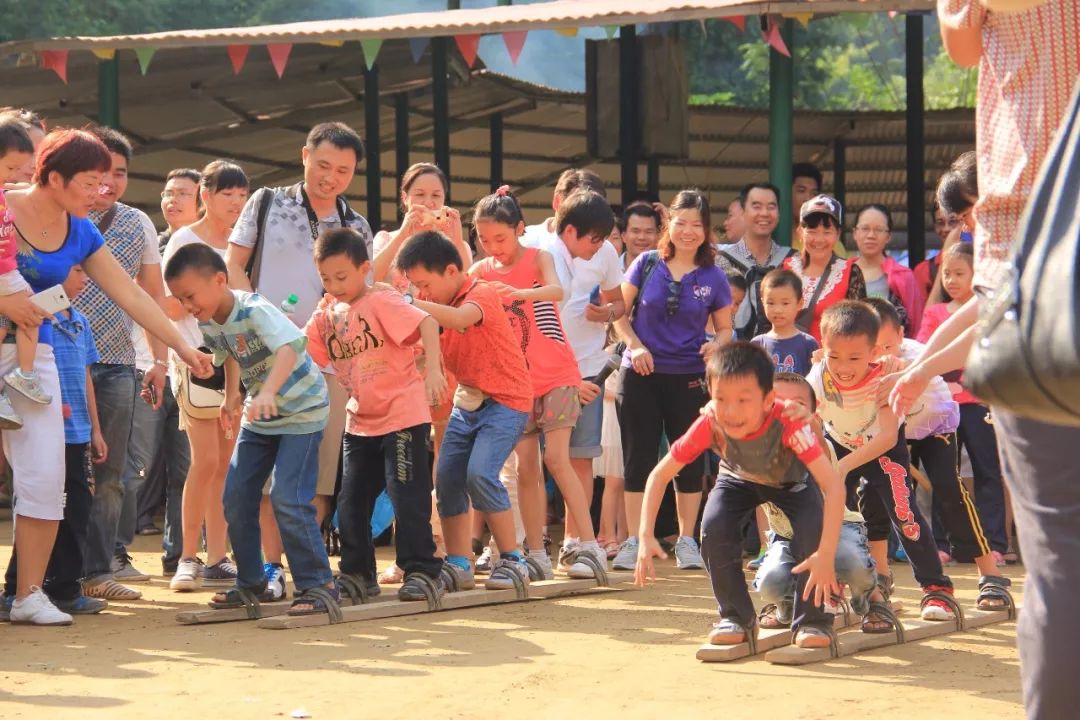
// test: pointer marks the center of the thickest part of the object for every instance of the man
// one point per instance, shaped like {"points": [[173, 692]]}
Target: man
{"points": [[754, 255], [130, 236], [582, 268], [276, 256], [643, 227], [734, 222]]}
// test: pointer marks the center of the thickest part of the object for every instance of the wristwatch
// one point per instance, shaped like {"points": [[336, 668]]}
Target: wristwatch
{"points": [[408, 297]]}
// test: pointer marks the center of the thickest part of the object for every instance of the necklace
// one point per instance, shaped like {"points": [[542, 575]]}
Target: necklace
{"points": [[45, 228]]}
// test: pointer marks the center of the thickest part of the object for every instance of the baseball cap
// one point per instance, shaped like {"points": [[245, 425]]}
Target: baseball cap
{"points": [[824, 204]]}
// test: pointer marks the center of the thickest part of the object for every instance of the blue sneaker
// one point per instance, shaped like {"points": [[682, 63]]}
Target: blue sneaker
{"points": [[81, 605], [275, 580], [901, 555]]}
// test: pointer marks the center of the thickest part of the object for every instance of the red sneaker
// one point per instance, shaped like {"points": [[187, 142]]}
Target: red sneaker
{"points": [[937, 609]]}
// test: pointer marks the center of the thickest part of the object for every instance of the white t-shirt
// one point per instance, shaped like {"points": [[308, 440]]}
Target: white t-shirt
{"points": [[581, 277], [188, 326]]}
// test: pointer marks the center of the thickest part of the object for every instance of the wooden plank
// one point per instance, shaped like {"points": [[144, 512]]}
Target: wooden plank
{"points": [[767, 640], [857, 641], [204, 617]]}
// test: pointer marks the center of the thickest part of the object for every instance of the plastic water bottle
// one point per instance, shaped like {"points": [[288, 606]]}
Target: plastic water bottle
{"points": [[289, 305]]}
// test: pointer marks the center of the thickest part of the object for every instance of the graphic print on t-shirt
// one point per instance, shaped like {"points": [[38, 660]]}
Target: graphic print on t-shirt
{"points": [[547, 321], [356, 338]]}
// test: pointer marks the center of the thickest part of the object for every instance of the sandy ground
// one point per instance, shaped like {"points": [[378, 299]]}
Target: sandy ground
{"points": [[625, 654]]}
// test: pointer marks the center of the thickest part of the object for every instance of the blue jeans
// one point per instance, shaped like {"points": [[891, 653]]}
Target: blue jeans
{"points": [[294, 460], [474, 449], [854, 568], [114, 391]]}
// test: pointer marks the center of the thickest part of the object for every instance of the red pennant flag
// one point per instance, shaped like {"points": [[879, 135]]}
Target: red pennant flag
{"points": [[892, 14], [468, 45], [775, 39], [55, 60], [279, 56], [238, 56], [738, 21], [514, 41]]}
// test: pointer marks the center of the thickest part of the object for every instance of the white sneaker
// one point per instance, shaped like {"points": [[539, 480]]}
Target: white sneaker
{"points": [[539, 566], [37, 609], [626, 559], [580, 570], [9, 419], [275, 580], [188, 575], [569, 548], [687, 554], [486, 560]]}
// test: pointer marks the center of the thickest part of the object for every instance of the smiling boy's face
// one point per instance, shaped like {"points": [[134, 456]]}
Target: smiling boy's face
{"points": [[740, 404], [848, 358]]}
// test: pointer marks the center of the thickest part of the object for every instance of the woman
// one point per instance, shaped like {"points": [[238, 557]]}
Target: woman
{"points": [[827, 279], [54, 234], [223, 191], [884, 277], [662, 382]]}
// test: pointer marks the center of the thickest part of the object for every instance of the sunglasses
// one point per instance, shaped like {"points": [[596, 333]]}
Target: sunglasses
{"points": [[674, 294]]}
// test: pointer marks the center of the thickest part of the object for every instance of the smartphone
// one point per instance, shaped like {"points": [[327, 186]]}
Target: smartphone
{"points": [[52, 300], [151, 395]]}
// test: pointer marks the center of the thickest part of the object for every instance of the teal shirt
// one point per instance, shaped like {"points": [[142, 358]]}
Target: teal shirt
{"points": [[253, 333]]}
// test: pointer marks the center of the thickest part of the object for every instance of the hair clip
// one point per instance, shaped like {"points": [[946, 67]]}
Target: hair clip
{"points": [[503, 191]]}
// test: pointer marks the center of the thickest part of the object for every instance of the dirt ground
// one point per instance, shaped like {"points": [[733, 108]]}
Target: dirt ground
{"points": [[626, 654]]}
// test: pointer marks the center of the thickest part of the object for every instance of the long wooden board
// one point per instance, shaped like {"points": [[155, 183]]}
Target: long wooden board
{"points": [[767, 640], [853, 642], [452, 601]]}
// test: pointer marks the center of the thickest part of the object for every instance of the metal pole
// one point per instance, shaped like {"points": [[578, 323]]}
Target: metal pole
{"points": [[371, 139], [840, 170], [916, 162], [652, 179], [496, 129], [781, 127], [109, 93], [440, 100], [401, 142], [628, 111]]}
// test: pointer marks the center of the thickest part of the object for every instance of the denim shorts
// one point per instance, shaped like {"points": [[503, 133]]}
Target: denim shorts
{"points": [[585, 441]]}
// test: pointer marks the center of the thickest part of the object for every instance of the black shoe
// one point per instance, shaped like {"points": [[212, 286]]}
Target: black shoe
{"points": [[168, 566], [416, 584]]}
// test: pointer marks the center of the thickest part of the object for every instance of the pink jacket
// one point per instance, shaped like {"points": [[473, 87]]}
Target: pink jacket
{"points": [[8, 241], [902, 283]]}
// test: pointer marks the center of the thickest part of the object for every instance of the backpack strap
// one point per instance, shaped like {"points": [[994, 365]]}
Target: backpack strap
{"points": [[266, 199], [106, 220], [738, 264], [652, 259]]}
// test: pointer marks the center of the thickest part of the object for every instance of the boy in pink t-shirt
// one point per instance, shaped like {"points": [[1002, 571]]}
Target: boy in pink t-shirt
{"points": [[369, 337]]}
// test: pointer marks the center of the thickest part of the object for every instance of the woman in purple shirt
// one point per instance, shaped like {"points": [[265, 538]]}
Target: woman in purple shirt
{"points": [[674, 292]]}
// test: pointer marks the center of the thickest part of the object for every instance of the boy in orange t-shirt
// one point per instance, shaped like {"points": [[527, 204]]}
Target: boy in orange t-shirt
{"points": [[491, 406], [369, 337]]}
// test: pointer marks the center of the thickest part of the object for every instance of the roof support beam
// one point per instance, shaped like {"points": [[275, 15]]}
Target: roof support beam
{"points": [[374, 148], [401, 141], [628, 111], [109, 93], [440, 100], [916, 170], [782, 126]]}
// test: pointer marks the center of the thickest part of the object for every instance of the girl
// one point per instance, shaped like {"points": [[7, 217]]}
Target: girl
{"points": [[529, 284], [223, 191], [884, 277], [662, 383], [976, 432], [613, 530]]}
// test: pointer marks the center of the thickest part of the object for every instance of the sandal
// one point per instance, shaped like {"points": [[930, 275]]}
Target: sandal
{"points": [[879, 618], [1011, 557], [321, 599], [810, 636], [770, 618], [994, 594], [392, 575], [240, 597], [611, 548], [723, 630]]}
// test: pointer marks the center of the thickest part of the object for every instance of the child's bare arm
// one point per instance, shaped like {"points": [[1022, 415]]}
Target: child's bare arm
{"points": [[452, 318], [821, 564], [648, 547], [876, 447], [264, 405], [99, 451], [552, 289], [434, 378]]}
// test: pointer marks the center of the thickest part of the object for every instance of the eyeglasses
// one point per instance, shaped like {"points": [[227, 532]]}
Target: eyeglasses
{"points": [[176, 195], [674, 295], [595, 239], [867, 230]]}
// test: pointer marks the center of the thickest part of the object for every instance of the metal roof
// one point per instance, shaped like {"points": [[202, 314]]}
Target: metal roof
{"points": [[534, 16]]}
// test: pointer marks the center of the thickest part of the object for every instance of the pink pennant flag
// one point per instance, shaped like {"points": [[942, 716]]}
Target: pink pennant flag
{"points": [[892, 14], [468, 45], [738, 21], [238, 56], [279, 56], [55, 60], [515, 41], [775, 39]]}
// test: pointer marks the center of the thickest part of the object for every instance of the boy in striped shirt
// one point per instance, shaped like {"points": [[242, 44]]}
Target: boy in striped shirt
{"points": [[284, 415]]}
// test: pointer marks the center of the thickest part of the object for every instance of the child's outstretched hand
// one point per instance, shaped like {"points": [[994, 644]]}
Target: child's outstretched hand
{"points": [[262, 407], [644, 572], [434, 384], [822, 582]]}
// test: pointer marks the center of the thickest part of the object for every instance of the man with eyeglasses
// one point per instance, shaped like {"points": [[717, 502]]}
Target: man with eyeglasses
{"points": [[179, 202]]}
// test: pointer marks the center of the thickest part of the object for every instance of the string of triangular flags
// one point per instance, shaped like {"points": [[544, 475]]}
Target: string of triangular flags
{"points": [[468, 45]]}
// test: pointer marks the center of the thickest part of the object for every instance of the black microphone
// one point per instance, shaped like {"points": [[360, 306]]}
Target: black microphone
{"points": [[614, 362]]}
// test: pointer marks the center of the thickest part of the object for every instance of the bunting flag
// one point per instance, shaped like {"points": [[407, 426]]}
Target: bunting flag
{"points": [[567, 31], [104, 53], [279, 56], [774, 38], [893, 14], [55, 60], [144, 54], [332, 43], [738, 21], [11, 60], [803, 18], [371, 48], [417, 46], [514, 42], [611, 30], [238, 56], [468, 45]]}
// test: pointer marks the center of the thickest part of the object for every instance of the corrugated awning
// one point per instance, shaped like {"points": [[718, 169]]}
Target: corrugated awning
{"points": [[538, 16]]}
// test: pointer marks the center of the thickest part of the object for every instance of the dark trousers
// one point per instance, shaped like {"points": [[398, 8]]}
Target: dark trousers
{"points": [[66, 561], [650, 406], [885, 498], [730, 501], [1036, 459], [976, 433], [952, 504], [398, 463]]}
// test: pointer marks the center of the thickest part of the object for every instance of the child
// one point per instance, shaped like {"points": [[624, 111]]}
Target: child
{"points": [[74, 348], [791, 349], [931, 434], [764, 457], [870, 442], [370, 336], [774, 581], [16, 149], [491, 405], [529, 285], [284, 415], [737, 283], [976, 431]]}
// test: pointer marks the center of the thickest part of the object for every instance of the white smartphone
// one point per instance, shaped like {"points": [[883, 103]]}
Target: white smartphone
{"points": [[52, 300]]}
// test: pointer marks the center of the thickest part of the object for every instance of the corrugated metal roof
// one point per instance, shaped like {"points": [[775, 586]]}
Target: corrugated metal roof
{"points": [[549, 15]]}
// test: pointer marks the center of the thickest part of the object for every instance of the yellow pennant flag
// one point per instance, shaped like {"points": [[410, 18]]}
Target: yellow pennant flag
{"points": [[104, 53]]}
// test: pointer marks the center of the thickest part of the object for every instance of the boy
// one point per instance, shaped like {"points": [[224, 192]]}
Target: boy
{"points": [[764, 457], [491, 405], [370, 337], [791, 349], [284, 416], [774, 581], [75, 351], [869, 440], [931, 435]]}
